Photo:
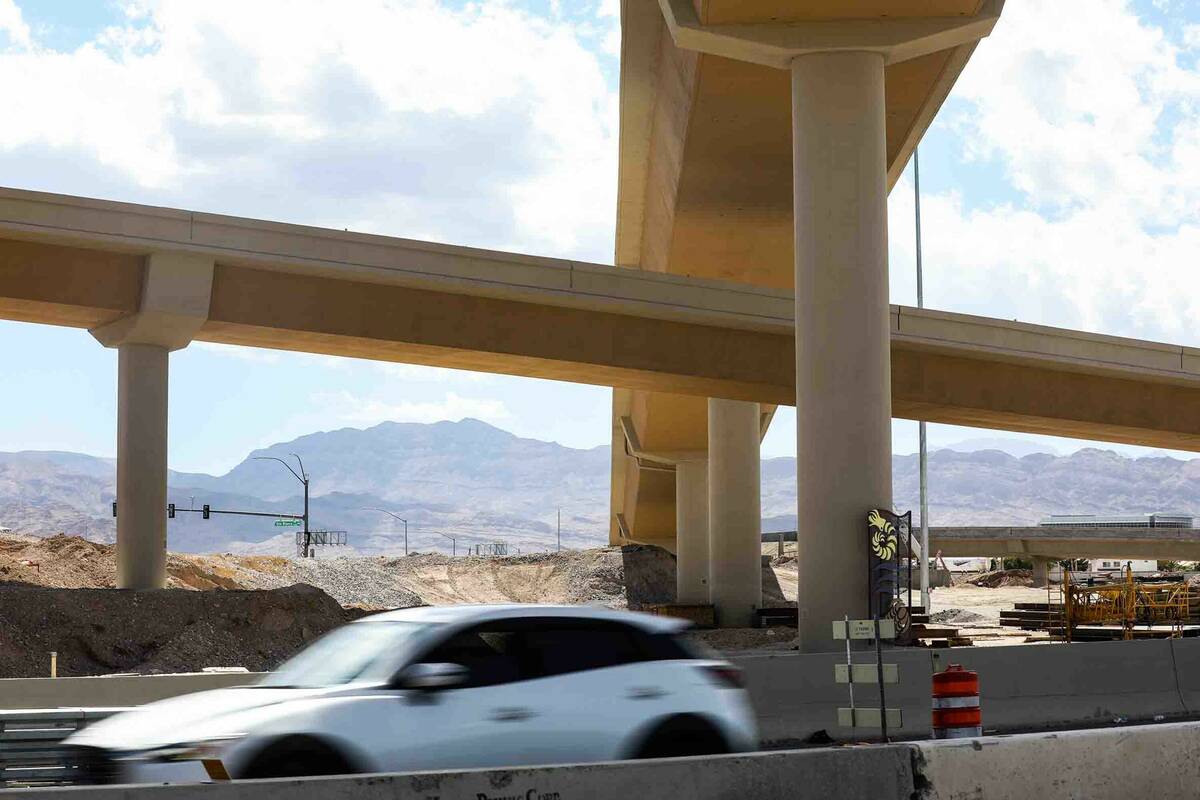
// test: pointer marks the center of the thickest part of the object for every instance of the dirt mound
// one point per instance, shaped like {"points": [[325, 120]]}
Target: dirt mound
{"points": [[1003, 577], [254, 611], [96, 631], [956, 616]]}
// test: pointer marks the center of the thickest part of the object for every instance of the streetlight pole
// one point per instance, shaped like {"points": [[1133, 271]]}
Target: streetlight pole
{"points": [[301, 476], [398, 517], [453, 542], [924, 457]]}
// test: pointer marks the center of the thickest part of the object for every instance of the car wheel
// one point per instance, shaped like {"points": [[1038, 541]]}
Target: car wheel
{"points": [[297, 757], [685, 735]]}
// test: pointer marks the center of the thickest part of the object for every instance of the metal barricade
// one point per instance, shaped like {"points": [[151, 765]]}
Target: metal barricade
{"points": [[31, 749]]}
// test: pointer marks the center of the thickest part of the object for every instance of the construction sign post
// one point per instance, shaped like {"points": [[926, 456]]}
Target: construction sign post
{"points": [[878, 673]]}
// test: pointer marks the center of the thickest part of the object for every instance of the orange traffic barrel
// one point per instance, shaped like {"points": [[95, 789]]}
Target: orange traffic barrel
{"points": [[956, 712]]}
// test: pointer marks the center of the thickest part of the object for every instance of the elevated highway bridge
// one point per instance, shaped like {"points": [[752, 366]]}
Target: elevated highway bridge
{"points": [[758, 144], [88, 263]]}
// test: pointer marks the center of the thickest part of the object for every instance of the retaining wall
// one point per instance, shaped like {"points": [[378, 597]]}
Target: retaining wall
{"points": [[111, 691]]}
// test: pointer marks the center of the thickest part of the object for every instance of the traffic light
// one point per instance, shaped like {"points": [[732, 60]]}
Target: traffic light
{"points": [[114, 508], [206, 510], [170, 511]]}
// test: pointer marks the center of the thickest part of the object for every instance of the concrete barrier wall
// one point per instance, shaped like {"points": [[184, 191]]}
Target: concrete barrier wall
{"points": [[1186, 654], [1094, 683], [1159, 761], [794, 695], [880, 773], [1028, 687], [1022, 687], [1133, 762], [111, 692]]}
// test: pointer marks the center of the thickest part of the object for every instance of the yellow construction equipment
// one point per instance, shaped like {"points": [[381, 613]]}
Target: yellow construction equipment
{"points": [[1127, 603]]}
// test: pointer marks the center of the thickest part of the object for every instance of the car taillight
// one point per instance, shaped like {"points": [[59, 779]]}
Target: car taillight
{"points": [[725, 675]]}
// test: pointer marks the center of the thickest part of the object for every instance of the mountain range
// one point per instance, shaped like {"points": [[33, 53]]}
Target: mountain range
{"points": [[475, 483]]}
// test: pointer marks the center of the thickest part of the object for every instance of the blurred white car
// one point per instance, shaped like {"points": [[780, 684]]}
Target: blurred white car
{"points": [[442, 688]]}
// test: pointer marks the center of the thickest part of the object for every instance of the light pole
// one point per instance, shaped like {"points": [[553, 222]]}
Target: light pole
{"points": [[302, 476], [395, 516], [453, 542], [924, 457]]}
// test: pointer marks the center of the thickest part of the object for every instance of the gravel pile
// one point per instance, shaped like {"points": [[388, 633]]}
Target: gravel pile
{"points": [[363, 582]]}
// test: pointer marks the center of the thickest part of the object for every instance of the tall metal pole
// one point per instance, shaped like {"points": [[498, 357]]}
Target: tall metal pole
{"points": [[924, 457], [560, 530], [301, 476], [307, 535], [396, 517]]}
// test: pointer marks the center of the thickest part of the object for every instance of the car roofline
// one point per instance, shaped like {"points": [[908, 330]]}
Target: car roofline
{"points": [[465, 614]]}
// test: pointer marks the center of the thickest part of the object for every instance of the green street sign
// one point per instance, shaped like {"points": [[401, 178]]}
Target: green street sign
{"points": [[287, 523]]}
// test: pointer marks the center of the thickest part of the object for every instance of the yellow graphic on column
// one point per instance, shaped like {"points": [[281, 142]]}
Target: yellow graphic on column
{"points": [[883, 536]]}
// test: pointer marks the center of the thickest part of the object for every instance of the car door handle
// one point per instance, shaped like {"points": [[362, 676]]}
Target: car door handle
{"points": [[511, 714], [646, 693]]}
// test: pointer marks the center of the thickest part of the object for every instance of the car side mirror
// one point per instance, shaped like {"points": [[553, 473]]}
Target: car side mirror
{"points": [[430, 677]]}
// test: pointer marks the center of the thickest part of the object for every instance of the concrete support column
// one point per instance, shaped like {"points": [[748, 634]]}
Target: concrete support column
{"points": [[734, 511], [843, 362], [1041, 572], [141, 466], [691, 532]]}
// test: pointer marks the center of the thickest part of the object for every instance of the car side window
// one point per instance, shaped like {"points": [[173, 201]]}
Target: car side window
{"points": [[561, 646], [506, 651], [487, 651]]}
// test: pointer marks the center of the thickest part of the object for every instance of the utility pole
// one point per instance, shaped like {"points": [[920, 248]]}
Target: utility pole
{"points": [[560, 530], [396, 517], [301, 476], [924, 457]]}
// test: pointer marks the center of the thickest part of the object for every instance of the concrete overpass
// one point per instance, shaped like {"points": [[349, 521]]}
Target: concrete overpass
{"points": [[1177, 544], [758, 143], [1042, 545], [92, 264]]}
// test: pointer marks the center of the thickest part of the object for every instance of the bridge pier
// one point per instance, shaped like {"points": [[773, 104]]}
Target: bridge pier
{"points": [[843, 361], [734, 511], [176, 292], [691, 532], [1041, 572], [141, 466]]}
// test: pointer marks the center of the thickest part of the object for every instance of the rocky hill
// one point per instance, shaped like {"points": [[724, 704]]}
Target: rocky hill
{"points": [[477, 483]]}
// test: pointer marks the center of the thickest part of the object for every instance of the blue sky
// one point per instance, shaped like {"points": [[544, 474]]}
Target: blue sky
{"points": [[1060, 183]]}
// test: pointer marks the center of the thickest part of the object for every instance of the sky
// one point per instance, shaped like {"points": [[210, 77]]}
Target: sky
{"points": [[1060, 185]]}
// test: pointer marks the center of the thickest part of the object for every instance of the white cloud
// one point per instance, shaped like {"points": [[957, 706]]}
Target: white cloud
{"points": [[255, 355], [1095, 133], [263, 355], [12, 25], [408, 117], [364, 411], [417, 373]]}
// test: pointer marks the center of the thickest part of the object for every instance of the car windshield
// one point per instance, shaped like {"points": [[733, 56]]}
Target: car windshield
{"points": [[363, 651]]}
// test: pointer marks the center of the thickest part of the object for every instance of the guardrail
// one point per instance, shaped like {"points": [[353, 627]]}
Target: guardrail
{"points": [[31, 753]]}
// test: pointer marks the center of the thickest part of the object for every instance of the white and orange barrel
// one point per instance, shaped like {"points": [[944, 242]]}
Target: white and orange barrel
{"points": [[956, 713]]}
